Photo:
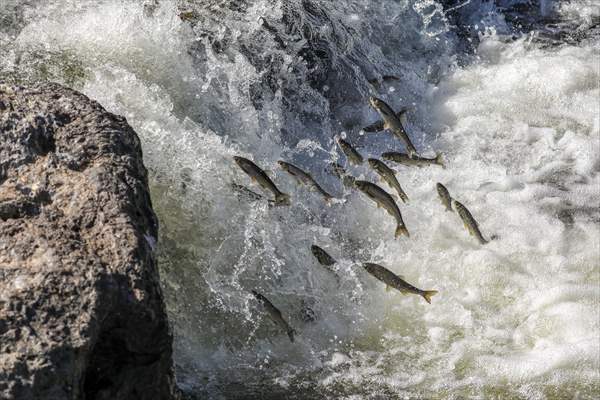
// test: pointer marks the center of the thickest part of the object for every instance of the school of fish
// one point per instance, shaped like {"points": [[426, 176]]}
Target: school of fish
{"points": [[391, 121]]}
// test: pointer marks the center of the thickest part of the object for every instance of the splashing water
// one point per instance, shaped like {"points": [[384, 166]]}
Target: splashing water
{"points": [[518, 125]]}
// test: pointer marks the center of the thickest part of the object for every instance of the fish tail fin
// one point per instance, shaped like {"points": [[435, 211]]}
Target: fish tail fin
{"points": [[427, 294], [401, 230], [282, 199], [291, 332], [439, 160]]}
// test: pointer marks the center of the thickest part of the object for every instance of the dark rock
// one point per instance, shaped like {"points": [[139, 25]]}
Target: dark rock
{"points": [[81, 309]]}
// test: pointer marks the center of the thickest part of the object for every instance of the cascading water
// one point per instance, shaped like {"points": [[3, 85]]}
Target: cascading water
{"points": [[518, 124]]}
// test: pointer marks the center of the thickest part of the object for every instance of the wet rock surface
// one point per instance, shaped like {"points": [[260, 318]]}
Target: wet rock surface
{"points": [[81, 310]]}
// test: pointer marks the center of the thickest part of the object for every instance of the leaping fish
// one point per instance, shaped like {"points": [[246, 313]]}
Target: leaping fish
{"points": [[322, 256], [444, 196], [258, 175], [351, 154], [392, 122], [378, 125], [469, 222], [250, 195], [304, 178], [275, 315], [402, 158], [383, 199], [392, 280], [388, 175], [324, 259]]}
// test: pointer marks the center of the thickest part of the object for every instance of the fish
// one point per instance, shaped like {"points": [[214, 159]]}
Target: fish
{"points": [[383, 199], [392, 122], [470, 224], [322, 256], [263, 179], [304, 178], [250, 195], [353, 156], [378, 125], [339, 171], [325, 260], [444, 196], [392, 280], [275, 315], [402, 158], [388, 175]]}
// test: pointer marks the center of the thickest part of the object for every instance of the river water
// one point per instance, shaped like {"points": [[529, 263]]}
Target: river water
{"points": [[512, 106]]}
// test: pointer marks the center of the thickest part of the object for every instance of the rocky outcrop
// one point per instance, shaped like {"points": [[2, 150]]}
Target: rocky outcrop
{"points": [[81, 309]]}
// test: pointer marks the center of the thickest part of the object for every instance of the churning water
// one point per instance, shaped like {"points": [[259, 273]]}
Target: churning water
{"points": [[516, 118]]}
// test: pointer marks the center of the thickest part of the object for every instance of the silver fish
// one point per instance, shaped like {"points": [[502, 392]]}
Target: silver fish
{"points": [[324, 259], [444, 196], [304, 178], [402, 158], [378, 125], [353, 156], [470, 224], [388, 175], [275, 315], [383, 199], [250, 195], [392, 280], [322, 256], [392, 122], [263, 179]]}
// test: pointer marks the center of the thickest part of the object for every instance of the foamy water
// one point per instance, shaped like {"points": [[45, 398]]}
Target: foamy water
{"points": [[518, 126]]}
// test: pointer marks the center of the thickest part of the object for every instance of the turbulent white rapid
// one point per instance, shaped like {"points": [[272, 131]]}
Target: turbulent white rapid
{"points": [[518, 123]]}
